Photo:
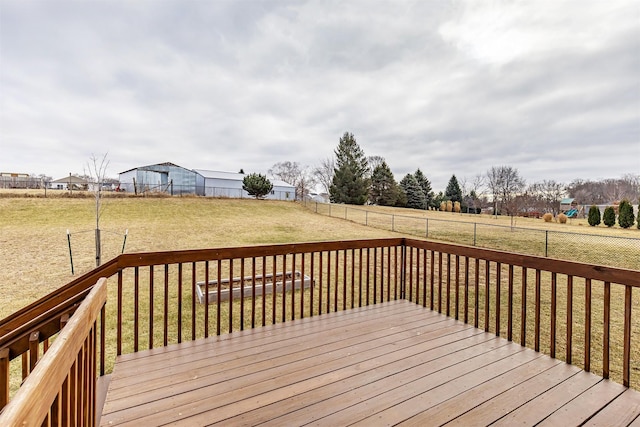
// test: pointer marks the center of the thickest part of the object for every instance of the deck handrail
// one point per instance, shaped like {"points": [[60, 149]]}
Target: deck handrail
{"points": [[346, 274], [62, 385]]}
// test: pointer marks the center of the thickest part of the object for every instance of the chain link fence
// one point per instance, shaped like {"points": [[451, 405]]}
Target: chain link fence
{"points": [[615, 251]]}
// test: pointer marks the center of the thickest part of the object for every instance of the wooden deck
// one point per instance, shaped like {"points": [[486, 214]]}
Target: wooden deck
{"points": [[385, 364]]}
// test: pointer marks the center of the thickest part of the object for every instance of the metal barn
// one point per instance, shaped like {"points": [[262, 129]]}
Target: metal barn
{"points": [[163, 177], [228, 184]]}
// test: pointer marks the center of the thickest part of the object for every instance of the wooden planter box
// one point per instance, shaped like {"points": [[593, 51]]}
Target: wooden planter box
{"points": [[264, 284]]}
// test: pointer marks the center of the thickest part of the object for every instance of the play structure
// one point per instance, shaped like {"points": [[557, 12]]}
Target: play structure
{"points": [[572, 213]]}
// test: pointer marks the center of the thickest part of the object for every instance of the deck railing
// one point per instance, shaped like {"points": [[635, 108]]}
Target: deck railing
{"points": [[61, 389], [581, 313]]}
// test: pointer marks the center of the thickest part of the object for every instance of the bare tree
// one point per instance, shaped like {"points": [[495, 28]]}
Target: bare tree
{"points": [[323, 173], [548, 193], [298, 176], [374, 162], [605, 191], [96, 173], [505, 183]]}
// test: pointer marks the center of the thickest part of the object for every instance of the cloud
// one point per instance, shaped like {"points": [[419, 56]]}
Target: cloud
{"points": [[451, 87]]}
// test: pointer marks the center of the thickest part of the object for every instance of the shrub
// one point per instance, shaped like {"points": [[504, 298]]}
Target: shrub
{"points": [[456, 207], [443, 206], [609, 216], [625, 216], [594, 216], [257, 185], [547, 217], [562, 218], [449, 206]]}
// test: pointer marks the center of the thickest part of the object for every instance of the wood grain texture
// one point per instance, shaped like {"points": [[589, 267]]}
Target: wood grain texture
{"points": [[390, 363]]}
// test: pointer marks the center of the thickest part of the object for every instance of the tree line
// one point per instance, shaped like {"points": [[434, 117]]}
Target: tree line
{"points": [[351, 177]]}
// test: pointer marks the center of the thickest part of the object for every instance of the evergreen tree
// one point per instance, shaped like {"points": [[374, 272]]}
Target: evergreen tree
{"points": [[384, 189], [594, 216], [625, 214], [609, 216], [349, 183], [415, 196], [257, 185], [426, 187], [453, 191]]}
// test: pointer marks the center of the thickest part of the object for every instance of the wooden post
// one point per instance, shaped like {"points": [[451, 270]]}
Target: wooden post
{"points": [[34, 349], [4, 377]]}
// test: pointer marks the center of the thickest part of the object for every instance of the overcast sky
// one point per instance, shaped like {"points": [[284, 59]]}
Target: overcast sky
{"points": [[551, 87]]}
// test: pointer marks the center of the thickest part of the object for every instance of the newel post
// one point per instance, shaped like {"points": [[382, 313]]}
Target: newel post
{"points": [[4, 377]]}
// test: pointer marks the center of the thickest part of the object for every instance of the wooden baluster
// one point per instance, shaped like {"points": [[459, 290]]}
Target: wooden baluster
{"points": [[476, 309], [180, 303], [626, 354], [432, 281], [538, 311], [206, 299], [284, 286], [523, 309], [337, 281], [569, 350], [552, 338], [510, 305], [344, 279], [605, 332], [302, 280], [498, 304], [293, 285], [312, 279], [136, 308], [448, 285], [424, 277], [274, 294], [242, 260], [193, 300], [587, 325], [487, 295], [439, 282], [231, 285], [165, 322], [151, 307], [382, 282], [457, 287], [119, 316], [4, 377], [253, 292], [466, 289], [218, 299]]}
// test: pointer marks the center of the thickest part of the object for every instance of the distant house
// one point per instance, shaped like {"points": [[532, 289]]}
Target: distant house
{"points": [[163, 177], [228, 184], [70, 183]]}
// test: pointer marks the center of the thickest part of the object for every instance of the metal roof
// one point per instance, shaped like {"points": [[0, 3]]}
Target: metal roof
{"points": [[233, 176]]}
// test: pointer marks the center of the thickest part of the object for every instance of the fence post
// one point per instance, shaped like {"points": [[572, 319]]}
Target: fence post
{"points": [[316, 207], [475, 233], [366, 217], [426, 234], [546, 243], [393, 223], [329, 209]]}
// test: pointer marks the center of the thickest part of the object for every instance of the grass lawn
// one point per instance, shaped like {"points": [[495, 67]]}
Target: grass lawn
{"points": [[34, 247], [35, 251]]}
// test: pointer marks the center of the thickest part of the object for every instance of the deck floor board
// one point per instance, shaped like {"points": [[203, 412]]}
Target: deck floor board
{"points": [[392, 363]]}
